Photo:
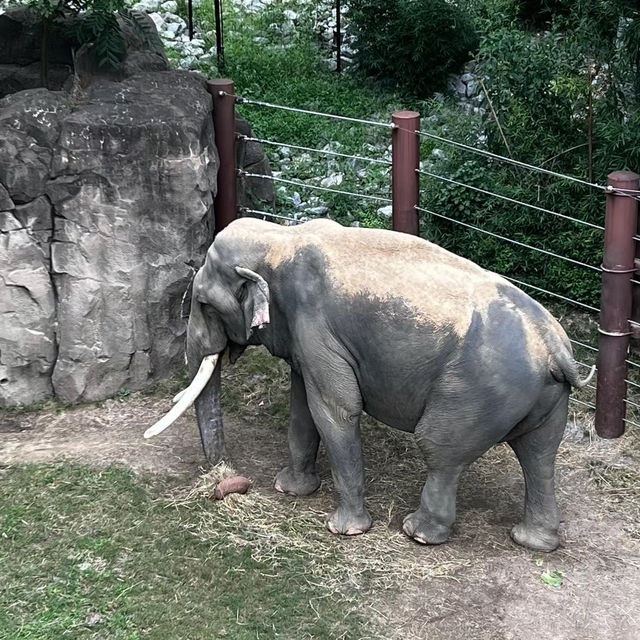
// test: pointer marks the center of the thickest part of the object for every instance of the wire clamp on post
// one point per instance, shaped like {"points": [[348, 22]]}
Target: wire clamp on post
{"points": [[614, 334], [605, 269]]}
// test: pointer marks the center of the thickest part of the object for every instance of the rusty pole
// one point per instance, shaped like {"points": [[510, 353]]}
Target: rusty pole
{"points": [[225, 204], [621, 222], [405, 157]]}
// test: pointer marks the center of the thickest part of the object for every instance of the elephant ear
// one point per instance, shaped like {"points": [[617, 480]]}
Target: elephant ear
{"points": [[256, 303]]}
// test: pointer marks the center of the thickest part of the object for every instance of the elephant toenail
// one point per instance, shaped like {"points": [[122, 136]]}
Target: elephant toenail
{"points": [[420, 540], [331, 527], [354, 532]]}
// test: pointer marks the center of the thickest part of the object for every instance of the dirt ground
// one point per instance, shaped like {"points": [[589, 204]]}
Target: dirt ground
{"points": [[487, 588]]}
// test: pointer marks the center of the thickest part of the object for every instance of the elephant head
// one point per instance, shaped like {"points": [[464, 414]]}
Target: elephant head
{"points": [[229, 302]]}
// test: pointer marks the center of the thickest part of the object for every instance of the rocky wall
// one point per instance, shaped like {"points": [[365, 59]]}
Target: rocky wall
{"points": [[105, 212]]}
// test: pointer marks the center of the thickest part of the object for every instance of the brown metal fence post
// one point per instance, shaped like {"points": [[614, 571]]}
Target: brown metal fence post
{"points": [[225, 204], [621, 223], [405, 157]]}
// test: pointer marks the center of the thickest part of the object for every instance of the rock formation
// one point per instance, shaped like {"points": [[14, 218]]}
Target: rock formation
{"points": [[106, 210]]}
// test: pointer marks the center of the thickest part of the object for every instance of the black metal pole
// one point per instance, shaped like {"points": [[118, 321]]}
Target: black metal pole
{"points": [[338, 39], [217, 4], [190, 17]]}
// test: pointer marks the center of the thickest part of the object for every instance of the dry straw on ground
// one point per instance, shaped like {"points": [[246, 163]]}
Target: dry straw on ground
{"points": [[273, 527]]}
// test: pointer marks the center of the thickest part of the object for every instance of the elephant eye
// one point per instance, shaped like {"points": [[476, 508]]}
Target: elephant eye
{"points": [[241, 292]]}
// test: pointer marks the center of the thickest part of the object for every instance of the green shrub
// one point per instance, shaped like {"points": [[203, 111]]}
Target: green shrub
{"points": [[413, 43]]}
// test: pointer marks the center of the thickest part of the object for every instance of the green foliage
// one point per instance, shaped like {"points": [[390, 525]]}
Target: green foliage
{"points": [[98, 26], [414, 43], [91, 22], [546, 87]]}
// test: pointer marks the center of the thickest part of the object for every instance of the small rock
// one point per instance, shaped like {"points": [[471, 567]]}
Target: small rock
{"points": [[472, 88], [158, 20], [170, 6], [318, 211], [93, 620], [333, 180], [386, 212], [331, 63], [147, 5]]}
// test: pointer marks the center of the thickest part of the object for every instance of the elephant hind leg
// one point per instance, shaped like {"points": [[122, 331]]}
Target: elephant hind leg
{"points": [[447, 440], [431, 522], [536, 451]]}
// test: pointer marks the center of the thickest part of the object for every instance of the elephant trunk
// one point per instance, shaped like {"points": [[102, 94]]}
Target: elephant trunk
{"points": [[209, 413], [206, 342], [206, 336]]}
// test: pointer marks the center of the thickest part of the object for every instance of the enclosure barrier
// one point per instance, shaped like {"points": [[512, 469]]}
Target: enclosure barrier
{"points": [[226, 202], [618, 315], [405, 162], [618, 267]]}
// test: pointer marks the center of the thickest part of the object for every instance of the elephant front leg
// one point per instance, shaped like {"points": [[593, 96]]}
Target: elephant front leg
{"points": [[337, 416], [299, 477]]}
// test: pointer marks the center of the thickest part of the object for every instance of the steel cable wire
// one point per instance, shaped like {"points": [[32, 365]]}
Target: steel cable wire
{"points": [[272, 215], [586, 404], [304, 185], [320, 151], [512, 241], [260, 103], [512, 200], [517, 163], [582, 344], [551, 293]]}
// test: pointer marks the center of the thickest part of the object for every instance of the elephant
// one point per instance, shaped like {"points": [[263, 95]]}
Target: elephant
{"points": [[386, 323]]}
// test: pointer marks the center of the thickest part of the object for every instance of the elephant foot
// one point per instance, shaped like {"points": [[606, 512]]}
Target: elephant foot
{"points": [[296, 484], [535, 538], [348, 523], [422, 529]]}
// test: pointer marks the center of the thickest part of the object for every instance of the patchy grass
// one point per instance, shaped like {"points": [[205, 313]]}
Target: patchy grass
{"points": [[88, 553], [256, 388]]}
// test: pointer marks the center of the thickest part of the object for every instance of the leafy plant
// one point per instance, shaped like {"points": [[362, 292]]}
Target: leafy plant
{"points": [[87, 22], [97, 25], [414, 43], [552, 578]]}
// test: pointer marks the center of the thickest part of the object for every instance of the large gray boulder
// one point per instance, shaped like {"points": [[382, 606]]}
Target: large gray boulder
{"points": [[105, 212], [128, 236]]}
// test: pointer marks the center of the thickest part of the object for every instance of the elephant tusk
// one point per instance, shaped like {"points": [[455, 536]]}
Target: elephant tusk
{"points": [[178, 396], [187, 397]]}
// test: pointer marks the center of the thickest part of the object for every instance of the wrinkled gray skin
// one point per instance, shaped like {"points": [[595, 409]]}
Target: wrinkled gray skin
{"points": [[393, 325]]}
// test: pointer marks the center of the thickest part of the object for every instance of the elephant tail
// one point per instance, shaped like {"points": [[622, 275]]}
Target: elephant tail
{"points": [[573, 377], [565, 369]]}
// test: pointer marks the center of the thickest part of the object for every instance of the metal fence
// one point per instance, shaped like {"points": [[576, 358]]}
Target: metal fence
{"points": [[618, 376]]}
